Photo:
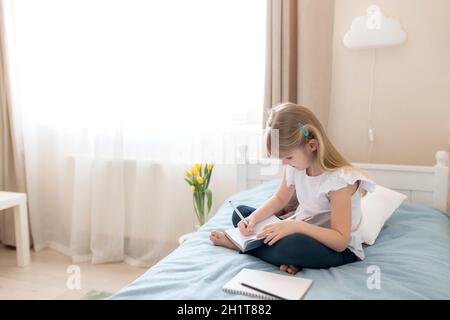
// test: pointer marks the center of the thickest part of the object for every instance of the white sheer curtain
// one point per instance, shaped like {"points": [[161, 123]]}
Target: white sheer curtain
{"points": [[117, 97]]}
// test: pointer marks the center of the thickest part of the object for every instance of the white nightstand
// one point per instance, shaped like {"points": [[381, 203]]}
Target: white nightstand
{"points": [[19, 202]]}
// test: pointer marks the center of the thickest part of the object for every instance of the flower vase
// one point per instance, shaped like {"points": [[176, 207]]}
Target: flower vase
{"points": [[199, 199]]}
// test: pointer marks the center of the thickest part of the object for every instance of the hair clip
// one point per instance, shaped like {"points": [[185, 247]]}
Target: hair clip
{"points": [[304, 130]]}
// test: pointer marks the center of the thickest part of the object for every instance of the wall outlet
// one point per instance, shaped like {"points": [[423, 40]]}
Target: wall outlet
{"points": [[371, 135]]}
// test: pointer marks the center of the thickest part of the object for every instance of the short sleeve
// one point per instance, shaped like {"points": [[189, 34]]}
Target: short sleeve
{"points": [[341, 178], [290, 175]]}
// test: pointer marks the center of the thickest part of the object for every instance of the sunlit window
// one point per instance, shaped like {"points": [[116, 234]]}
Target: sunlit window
{"points": [[148, 67]]}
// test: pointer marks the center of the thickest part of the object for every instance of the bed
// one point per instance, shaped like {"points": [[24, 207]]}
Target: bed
{"points": [[411, 257]]}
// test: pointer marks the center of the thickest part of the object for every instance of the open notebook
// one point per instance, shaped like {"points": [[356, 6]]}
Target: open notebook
{"points": [[279, 286], [246, 243]]}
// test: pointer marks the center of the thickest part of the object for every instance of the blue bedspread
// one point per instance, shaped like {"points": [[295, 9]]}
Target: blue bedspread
{"points": [[412, 254]]}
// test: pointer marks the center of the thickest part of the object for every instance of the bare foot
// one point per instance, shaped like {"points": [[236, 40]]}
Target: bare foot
{"points": [[289, 269], [219, 239]]}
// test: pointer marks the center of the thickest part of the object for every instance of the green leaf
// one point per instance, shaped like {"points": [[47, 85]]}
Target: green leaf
{"points": [[209, 196], [194, 201], [208, 178], [188, 181]]}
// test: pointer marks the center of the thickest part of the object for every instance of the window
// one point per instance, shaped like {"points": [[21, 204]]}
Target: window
{"points": [[150, 68]]}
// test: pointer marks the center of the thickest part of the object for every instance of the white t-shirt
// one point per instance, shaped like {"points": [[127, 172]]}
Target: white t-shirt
{"points": [[312, 195]]}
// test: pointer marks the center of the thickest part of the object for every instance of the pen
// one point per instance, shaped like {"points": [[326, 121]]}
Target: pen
{"points": [[238, 213], [262, 291]]}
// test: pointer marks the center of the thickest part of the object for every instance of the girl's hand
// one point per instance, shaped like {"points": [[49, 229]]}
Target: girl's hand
{"points": [[247, 228], [278, 230]]}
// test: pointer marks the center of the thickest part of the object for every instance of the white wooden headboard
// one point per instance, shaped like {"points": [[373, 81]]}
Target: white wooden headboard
{"points": [[427, 185]]}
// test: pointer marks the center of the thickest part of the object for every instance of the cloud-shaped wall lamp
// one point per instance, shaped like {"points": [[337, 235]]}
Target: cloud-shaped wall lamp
{"points": [[374, 30]]}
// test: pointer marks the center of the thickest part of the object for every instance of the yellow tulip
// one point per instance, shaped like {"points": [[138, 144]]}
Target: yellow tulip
{"points": [[188, 173], [209, 165], [200, 180], [198, 165], [195, 171], [193, 188]]}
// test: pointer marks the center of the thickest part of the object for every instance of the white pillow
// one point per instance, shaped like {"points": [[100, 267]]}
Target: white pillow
{"points": [[377, 207]]}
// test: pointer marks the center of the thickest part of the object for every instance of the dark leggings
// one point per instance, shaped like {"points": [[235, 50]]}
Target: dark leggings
{"points": [[297, 249]]}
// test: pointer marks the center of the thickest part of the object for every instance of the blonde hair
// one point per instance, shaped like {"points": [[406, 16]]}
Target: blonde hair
{"points": [[287, 119]]}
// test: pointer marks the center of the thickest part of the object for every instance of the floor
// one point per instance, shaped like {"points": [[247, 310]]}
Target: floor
{"points": [[47, 278]]}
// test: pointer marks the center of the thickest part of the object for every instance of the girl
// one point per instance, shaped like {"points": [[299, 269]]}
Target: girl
{"points": [[328, 190]]}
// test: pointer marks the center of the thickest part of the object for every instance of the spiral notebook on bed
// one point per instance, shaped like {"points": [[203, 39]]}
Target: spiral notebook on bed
{"points": [[268, 285]]}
